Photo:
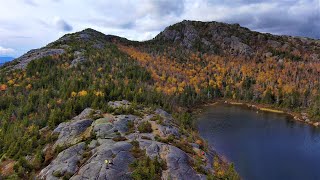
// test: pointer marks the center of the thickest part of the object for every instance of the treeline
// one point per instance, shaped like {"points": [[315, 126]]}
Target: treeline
{"points": [[192, 77]]}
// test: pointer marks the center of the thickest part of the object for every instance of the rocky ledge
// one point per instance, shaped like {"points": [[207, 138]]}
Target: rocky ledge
{"points": [[87, 144]]}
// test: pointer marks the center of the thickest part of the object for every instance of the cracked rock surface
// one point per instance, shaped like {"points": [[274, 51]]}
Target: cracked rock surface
{"points": [[66, 163], [88, 142]]}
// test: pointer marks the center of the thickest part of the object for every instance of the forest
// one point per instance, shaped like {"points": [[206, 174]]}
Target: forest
{"points": [[287, 84]]}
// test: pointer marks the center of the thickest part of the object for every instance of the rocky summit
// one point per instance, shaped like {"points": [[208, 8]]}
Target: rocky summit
{"points": [[89, 139]]}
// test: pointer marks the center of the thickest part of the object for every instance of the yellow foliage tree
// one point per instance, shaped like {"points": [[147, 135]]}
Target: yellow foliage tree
{"points": [[82, 93]]}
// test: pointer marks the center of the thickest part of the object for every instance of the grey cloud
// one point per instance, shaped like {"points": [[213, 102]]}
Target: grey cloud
{"points": [[128, 25], [114, 23], [63, 25], [286, 18], [58, 24], [130, 14], [167, 7]]}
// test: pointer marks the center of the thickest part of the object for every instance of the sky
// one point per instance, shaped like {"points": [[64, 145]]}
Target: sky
{"points": [[30, 24]]}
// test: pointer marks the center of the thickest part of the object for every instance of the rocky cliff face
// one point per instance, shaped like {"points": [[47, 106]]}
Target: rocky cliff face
{"points": [[226, 39], [92, 137]]}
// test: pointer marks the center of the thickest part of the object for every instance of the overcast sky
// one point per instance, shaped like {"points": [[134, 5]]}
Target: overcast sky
{"points": [[29, 24]]}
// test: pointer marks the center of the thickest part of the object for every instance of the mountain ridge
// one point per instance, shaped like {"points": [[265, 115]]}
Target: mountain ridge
{"points": [[210, 37]]}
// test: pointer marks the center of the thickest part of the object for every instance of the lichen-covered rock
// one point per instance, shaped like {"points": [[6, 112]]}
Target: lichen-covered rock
{"points": [[178, 162], [79, 58], [93, 144], [25, 59], [108, 127], [168, 130], [87, 113], [96, 168], [65, 164], [103, 128], [240, 47], [119, 104], [88, 161], [190, 36], [72, 132], [121, 122]]}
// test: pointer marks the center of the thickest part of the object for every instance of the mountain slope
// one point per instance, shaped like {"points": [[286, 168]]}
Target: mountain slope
{"points": [[210, 60], [188, 63]]}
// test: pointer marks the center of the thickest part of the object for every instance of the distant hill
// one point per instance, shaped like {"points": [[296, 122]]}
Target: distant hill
{"points": [[5, 59]]}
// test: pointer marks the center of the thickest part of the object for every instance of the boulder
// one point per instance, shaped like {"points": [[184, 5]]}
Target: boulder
{"points": [[168, 130], [86, 113], [177, 160], [72, 132]]}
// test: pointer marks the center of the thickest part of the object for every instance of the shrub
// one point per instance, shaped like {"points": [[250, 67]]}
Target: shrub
{"points": [[147, 168], [145, 127], [135, 150], [184, 146], [156, 117], [223, 170], [130, 126]]}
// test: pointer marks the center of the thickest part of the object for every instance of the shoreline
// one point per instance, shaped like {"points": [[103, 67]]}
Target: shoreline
{"points": [[296, 116]]}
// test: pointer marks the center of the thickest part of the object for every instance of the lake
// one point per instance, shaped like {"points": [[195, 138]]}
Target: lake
{"points": [[262, 145]]}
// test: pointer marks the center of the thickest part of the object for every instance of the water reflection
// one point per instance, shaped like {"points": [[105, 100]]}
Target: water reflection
{"points": [[262, 145]]}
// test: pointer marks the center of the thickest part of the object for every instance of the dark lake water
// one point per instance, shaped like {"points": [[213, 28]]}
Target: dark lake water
{"points": [[262, 146]]}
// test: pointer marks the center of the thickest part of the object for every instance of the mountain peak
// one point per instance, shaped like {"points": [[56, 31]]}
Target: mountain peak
{"points": [[227, 39], [90, 31]]}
